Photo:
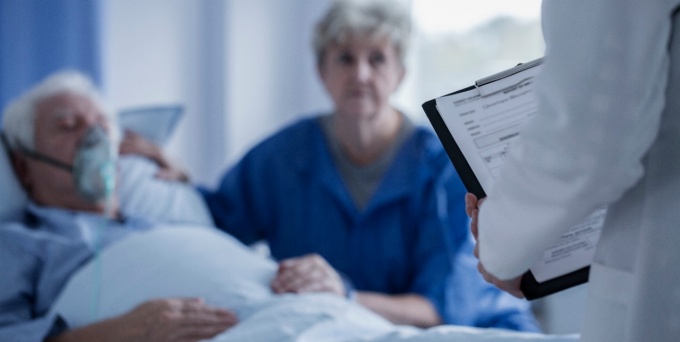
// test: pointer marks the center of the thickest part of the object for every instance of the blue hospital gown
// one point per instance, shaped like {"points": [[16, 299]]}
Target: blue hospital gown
{"points": [[38, 256], [412, 237]]}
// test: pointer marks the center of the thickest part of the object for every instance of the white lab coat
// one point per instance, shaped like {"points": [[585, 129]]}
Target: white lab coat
{"points": [[607, 132]]}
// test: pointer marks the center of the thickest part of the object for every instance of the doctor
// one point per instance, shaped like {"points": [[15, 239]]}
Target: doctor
{"points": [[607, 132]]}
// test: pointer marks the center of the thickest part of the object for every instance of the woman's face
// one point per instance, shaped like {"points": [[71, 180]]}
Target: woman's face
{"points": [[360, 75]]}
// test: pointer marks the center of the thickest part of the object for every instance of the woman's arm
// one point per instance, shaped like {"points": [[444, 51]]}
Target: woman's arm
{"points": [[311, 273], [406, 309]]}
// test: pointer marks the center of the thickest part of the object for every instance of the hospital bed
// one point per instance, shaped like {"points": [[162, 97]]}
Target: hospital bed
{"points": [[192, 259]]}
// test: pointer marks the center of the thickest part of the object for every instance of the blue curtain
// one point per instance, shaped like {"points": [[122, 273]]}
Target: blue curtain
{"points": [[38, 37]]}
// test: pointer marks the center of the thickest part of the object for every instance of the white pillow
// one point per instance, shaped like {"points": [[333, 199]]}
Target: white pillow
{"points": [[142, 194], [13, 196], [169, 261], [194, 261]]}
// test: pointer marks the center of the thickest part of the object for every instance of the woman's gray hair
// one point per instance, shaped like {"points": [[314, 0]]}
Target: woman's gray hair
{"points": [[372, 18], [18, 119]]}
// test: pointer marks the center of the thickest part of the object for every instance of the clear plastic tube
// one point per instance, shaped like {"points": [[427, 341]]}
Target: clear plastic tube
{"points": [[97, 243]]}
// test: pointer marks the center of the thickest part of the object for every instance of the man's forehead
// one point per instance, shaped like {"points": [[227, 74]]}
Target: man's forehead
{"points": [[64, 104]]}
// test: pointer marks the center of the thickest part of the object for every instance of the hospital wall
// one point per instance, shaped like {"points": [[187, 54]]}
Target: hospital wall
{"points": [[242, 69]]}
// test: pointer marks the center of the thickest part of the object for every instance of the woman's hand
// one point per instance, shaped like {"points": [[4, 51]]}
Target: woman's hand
{"points": [[511, 286], [309, 273]]}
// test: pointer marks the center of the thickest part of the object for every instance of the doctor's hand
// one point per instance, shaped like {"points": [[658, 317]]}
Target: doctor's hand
{"points": [[309, 273], [511, 286]]}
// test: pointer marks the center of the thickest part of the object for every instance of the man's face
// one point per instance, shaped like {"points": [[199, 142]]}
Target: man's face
{"points": [[361, 74], [61, 121]]}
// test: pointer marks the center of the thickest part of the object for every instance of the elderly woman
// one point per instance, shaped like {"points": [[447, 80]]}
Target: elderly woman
{"points": [[360, 202]]}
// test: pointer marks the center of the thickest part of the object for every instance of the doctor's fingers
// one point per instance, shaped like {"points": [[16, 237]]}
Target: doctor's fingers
{"points": [[473, 223], [511, 286], [486, 275], [470, 203]]}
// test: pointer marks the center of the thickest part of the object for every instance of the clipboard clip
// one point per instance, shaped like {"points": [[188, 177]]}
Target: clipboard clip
{"points": [[503, 74]]}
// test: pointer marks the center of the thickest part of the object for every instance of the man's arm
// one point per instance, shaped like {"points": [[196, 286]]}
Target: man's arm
{"points": [[163, 320]]}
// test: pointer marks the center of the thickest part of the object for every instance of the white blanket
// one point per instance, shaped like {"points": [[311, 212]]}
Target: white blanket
{"points": [[202, 262]]}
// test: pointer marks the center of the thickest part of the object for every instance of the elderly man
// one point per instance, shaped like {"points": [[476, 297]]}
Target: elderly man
{"points": [[62, 142]]}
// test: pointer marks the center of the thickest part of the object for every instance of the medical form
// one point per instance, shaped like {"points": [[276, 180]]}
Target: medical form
{"points": [[480, 124]]}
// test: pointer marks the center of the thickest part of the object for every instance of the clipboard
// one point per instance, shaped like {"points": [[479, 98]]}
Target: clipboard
{"points": [[530, 286]]}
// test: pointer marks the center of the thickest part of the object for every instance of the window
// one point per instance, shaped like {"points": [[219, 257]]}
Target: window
{"points": [[456, 42]]}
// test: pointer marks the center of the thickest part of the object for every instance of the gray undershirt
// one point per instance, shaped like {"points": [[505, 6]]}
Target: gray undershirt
{"points": [[362, 180]]}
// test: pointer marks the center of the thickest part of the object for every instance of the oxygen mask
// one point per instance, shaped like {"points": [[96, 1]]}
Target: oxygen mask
{"points": [[94, 166]]}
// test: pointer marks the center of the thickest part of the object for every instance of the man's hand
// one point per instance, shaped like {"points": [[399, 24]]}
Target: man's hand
{"points": [[161, 320], [134, 143], [182, 320], [309, 273], [511, 286]]}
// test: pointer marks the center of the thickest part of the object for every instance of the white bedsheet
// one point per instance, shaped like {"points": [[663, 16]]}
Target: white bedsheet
{"points": [[201, 262]]}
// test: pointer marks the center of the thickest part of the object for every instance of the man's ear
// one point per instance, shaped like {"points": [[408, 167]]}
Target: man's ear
{"points": [[20, 167]]}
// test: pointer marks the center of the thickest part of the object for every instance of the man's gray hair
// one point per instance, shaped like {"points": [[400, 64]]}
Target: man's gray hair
{"points": [[18, 119], [372, 18]]}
